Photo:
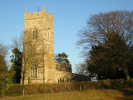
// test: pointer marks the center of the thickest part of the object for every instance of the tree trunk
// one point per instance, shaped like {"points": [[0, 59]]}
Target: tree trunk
{"points": [[126, 73]]}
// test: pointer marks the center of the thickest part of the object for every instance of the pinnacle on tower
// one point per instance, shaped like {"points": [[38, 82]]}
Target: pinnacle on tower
{"points": [[43, 8], [25, 10], [51, 12]]}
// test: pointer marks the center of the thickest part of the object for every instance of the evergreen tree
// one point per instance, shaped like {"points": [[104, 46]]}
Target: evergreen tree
{"points": [[64, 62], [111, 59], [16, 65], [62, 58]]}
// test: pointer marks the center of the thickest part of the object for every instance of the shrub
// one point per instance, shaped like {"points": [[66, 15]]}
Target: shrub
{"points": [[14, 90]]}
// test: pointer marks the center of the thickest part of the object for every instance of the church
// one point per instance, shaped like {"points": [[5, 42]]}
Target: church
{"points": [[38, 64]]}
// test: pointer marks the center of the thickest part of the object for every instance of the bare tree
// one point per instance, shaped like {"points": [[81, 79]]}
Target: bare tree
{"points": [[81, 69], [4, 52], [34, 51], [3, 68], [18, 42], [3, 49], [102, 28]]}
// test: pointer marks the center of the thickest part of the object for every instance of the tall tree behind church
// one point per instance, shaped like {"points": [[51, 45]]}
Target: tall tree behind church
{"points": [[62, 58], [16, 64]]}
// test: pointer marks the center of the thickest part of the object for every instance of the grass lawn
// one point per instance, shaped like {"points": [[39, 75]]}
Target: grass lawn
{"points": [[125, 94]]}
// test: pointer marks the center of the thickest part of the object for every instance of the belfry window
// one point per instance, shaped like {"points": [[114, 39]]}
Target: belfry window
{"points": [[35, 34], [33, 72]]}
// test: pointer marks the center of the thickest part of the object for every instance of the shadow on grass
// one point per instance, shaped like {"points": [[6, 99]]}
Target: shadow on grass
{"points": [[127, 94]]}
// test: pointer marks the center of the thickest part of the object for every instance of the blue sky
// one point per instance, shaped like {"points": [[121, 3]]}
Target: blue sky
{"points": [[69, 17]]}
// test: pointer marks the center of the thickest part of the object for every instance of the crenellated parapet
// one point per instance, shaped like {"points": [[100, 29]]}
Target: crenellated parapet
{"points": [[40, 14]]}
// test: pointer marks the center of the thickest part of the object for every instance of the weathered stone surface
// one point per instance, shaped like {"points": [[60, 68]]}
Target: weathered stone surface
{"points": [[38, 59]]}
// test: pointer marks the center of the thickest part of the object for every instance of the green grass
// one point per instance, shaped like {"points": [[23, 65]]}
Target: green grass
{"points": [[126, 94]]}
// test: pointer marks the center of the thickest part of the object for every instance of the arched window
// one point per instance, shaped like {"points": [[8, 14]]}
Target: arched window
{"points": [[35, 34], [34, 72], [60, 80]]}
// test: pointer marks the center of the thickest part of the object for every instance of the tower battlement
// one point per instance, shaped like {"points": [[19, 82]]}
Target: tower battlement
{"points": [[40, 14]]}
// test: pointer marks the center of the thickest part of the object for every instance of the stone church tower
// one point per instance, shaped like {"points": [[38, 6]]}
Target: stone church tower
{"points": [[38, 47], [38, 51]]}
